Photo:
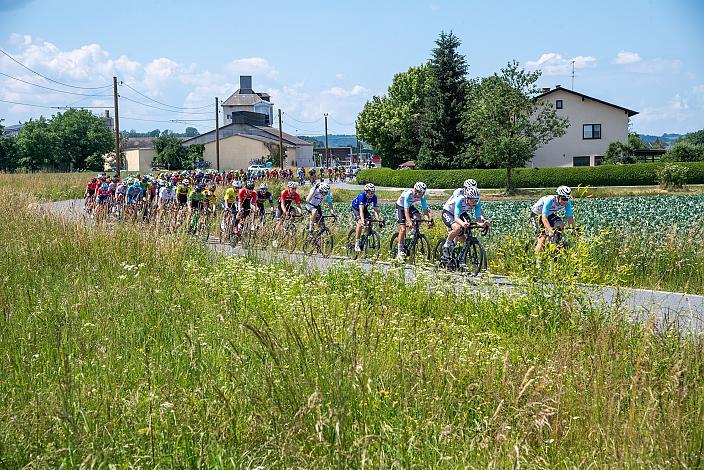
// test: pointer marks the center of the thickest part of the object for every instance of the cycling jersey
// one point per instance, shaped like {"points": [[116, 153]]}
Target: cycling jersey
{"points": [[458, 205], [317, 197], [211, 197], [245, 195], [230, 195], [263, 196], [408, 198], [182, 190], [549, 205], [102, 194], [134, 194], [166, 194], [287, 196], [196, 196], [121, 189], [363, 200]]}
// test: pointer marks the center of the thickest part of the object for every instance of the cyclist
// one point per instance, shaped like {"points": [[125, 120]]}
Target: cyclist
{"points": [[360, 210], [263, 195], [287, 198], [182, 191], [468, 183], [315, 197], [457, 214], [406, 211], [210, 197], [90, 188], [196, 199], [134, 193], [120, 192], [102, 195], [247, 199], [544, 214]]}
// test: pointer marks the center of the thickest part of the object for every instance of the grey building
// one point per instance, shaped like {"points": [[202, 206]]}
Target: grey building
{"points": [[246, 99], [12, 131]]}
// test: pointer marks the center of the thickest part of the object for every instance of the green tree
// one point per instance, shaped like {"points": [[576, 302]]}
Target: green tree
{"points": [[171, 154], [684, 151], [507, 123], [619, 153], [195, 154], [8, 151], [391, 123], [191, 132], [37, 146], [82, 138], [696, 138], [634, 141], [442, 136]]}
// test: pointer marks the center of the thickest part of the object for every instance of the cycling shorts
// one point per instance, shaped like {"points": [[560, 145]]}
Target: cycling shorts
{"points": [[401, 214], [448, 218], [182, 198], [539, 226], [103, 199], [356, 210]]}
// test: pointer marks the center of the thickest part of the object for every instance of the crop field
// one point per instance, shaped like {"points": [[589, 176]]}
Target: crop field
{"points": [[120, 346]]}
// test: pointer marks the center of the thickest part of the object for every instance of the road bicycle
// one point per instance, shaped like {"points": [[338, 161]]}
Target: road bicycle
{"points": [[469, 257], [416, 245], [369, 240], [286, 235], [319, 239]]}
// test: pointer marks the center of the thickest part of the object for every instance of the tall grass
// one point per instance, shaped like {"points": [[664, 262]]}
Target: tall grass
{"points": [[123, 348]]}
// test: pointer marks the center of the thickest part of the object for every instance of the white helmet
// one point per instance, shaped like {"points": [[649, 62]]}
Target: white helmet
{"points": [[324, 188], [237, 184], [186, 182], [564, 191], [470, 183], [292, 185], [420, 187], [264, 186], [471, 193], [369, 187]]}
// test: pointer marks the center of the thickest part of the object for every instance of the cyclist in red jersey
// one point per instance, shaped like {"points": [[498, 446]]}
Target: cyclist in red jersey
{"points": [[288, 197], [247, 200]]}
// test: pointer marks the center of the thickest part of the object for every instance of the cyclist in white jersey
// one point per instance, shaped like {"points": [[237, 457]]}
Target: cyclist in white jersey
{"points": [[468, 183], [315, 197], [457, 213], [406, 211], [545, 219]]}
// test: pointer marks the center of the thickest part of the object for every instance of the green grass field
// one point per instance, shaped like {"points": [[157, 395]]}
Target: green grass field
{"points": [[130, 349]]}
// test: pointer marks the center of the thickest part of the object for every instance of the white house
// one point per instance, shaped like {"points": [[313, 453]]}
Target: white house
{"points": [[246, 99], [594, 124]]}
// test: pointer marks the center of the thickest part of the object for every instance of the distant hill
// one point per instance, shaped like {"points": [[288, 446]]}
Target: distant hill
{"points": [[334, 140], [667, 139]]}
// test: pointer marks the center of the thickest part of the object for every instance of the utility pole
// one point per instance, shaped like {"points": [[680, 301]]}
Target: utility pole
{"points": [[572, 76], [118, 160], [217, 134], [327, 154], [281, 142]]}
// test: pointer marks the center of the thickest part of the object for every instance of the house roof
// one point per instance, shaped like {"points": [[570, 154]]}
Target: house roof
{"points": [[245, 99], [583, 96], [263, 133], [291, 138]]}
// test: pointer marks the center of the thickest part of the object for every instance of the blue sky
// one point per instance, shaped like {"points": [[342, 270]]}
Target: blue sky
{"points": [[315, 57]]}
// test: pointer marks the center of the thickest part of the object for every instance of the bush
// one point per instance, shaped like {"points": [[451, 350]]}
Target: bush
{"points": [[672, 176], [637, 174], [618, 152], [685, 151]]}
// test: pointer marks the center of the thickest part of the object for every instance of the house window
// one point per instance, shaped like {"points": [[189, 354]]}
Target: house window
{"points": [[598, 160], [591, 131], [558, 104], [580, 161]]}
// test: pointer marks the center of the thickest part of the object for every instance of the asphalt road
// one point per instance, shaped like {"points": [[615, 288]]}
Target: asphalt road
{"points": [[685, 311]]}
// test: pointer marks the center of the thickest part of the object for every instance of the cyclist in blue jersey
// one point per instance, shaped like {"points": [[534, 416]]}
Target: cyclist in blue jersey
{"points": [[406, 211], [544, 214], [134, 193], [457, 214], [360, 210]]}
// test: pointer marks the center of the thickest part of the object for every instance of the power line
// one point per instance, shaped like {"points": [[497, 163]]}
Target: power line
{"points": [[56, 107], [51, 79], [178, 121], [163, 109], [302, 122], [159, 102], [338, 122], [318, 132], [49, 88]]}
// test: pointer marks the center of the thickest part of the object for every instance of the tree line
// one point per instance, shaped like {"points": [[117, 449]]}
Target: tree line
{"points": [[438, 116], [68, 141]]}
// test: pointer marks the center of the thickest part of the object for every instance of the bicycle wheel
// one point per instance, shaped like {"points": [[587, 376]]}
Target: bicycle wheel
{"points": [[474, 258], [419, 251], [325, 242], [308, 242], [446, 262], [372, 245], [393, 246], [349, 246]]}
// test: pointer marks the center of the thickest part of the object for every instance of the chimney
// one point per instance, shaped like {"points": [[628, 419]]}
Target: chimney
{"points": [[546, 89], [558, 86], [107, 114], [245, 83]]}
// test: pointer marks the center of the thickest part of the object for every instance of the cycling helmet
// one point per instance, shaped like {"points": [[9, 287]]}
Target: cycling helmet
{"points": [[199, 188], [213, 188], [112, 185], [104, 186], [145, 180], [564, 191], [324, 188], [470, 183], [420, 187], [369, 187], [169, 185], [237, 184], [249, 185], [94, 180], [264, 186], [471, 192], [186, 182], [136, 184], [292, 185]]}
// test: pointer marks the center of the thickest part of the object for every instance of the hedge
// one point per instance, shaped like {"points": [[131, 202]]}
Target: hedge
{"points": [[637, 174]]}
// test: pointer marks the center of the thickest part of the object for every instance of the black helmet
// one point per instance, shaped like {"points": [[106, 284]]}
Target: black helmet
{"points": [[250, 185], [200, 188]]}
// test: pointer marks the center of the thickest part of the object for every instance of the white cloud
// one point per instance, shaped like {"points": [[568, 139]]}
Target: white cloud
{"points": [[656, 66], [343, 93], [625, 57], [552, 63], [340, 76], [435, 7], [252, 66]]}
